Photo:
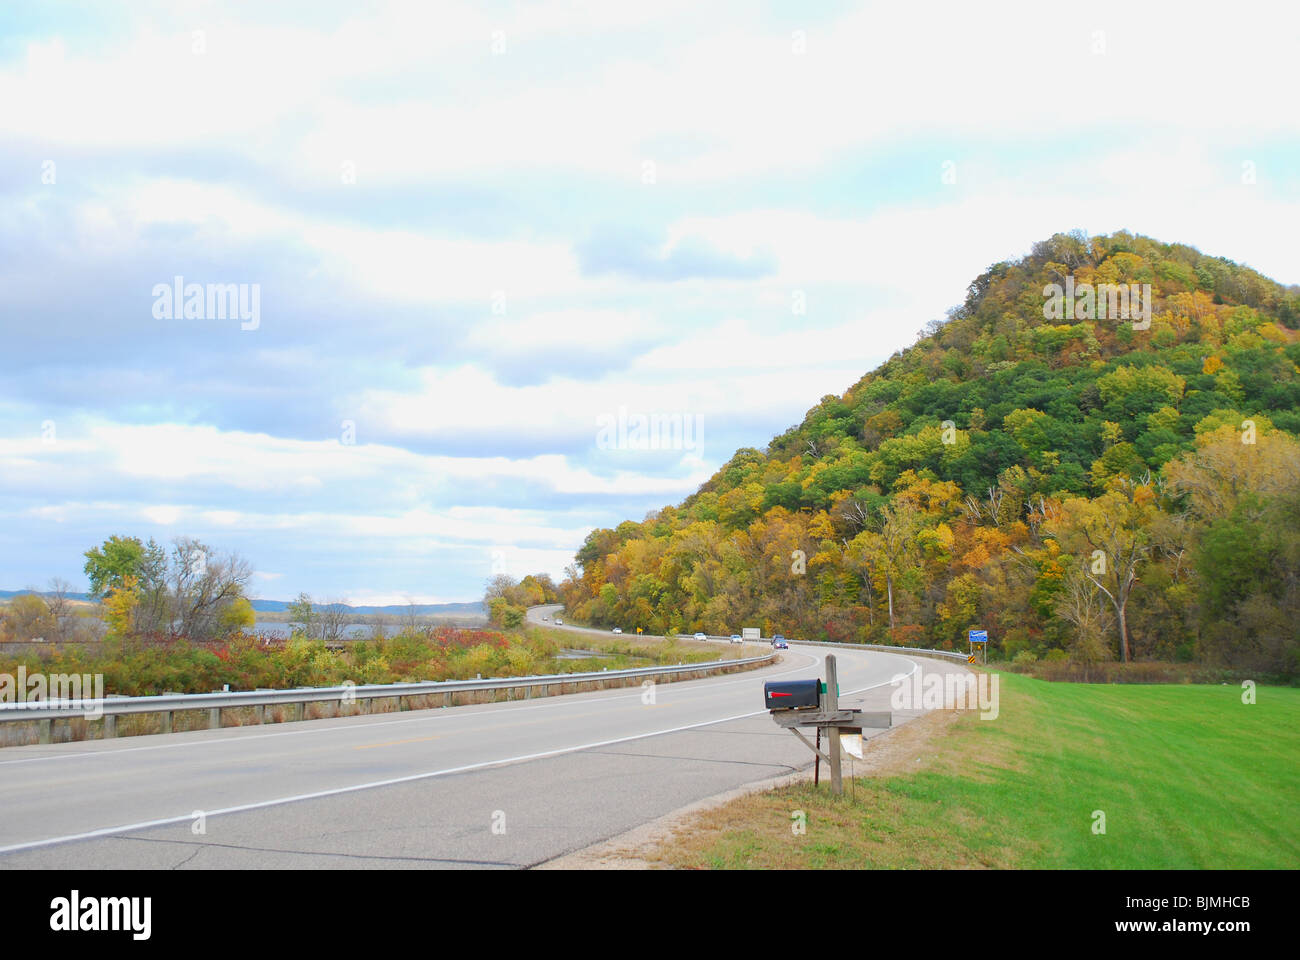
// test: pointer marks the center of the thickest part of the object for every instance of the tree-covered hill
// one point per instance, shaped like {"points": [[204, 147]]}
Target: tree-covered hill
{"points": [[1078, 484]]}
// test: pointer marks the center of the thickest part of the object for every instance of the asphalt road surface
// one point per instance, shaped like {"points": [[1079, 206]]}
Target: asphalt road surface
{"points": [[505, 785]]}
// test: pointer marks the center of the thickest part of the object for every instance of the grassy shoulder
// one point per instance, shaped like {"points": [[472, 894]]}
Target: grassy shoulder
{"points": [[1186, 777]]}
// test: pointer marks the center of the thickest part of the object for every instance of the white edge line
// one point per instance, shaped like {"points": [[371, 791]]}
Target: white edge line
{"points": [[336, 791]]}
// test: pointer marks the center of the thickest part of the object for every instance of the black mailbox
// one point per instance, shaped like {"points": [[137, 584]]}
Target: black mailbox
{"points": [[791, 694]]}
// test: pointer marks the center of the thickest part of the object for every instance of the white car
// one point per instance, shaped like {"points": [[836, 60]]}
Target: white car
{"points": [[735, 638], [559, 622], [700, 636], [617, 630]]}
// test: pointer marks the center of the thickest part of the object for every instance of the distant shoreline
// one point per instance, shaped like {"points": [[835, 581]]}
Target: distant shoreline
{"points": [[472, 607]]}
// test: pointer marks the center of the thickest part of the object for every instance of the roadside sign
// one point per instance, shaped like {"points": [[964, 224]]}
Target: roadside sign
{"points": [[971, 658], [979, 636], [852, 744], [638, 629]]}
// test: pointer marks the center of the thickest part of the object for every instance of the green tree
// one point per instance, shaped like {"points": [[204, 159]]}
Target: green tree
{"points": [[108, 566], [301, 612], [1112, 537]]}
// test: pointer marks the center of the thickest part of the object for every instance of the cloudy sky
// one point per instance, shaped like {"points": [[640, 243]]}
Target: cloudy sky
{"points": [[482, 234]]}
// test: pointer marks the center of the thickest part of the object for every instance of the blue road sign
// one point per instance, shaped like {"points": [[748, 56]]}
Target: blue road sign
{"points": [[979, 636]]}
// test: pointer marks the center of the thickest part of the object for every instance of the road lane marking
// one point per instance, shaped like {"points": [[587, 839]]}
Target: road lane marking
{"points": [[354, 788], [336, 791], [432, 713]]}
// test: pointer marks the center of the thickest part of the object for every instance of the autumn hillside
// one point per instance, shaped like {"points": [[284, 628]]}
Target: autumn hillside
{"points": [[1085, 489]]}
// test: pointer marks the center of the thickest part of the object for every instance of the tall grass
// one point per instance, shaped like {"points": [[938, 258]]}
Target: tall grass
{"points": [[143, 666]]}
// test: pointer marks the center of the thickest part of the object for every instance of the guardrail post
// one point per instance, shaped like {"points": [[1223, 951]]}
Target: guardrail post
{"points": [[167, 721], [447, 699], [110, 726], [259, 711], [214, 718], [47, 731]]}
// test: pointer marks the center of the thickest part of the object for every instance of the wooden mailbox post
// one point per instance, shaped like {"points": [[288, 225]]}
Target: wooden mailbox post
{"points": [[829, 716]]}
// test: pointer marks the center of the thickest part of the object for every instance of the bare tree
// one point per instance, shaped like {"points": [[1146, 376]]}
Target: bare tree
{"points": [[60, 613], [333, 617], [204, 586], [1082, 604], [410, 619]]}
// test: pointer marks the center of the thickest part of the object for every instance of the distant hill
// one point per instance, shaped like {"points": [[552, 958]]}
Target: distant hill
{"points": [[279, 606], [9, 594], [1095, 455]]}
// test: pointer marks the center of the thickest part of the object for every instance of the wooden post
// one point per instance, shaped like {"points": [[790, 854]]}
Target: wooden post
{"points": [[833, 741]]}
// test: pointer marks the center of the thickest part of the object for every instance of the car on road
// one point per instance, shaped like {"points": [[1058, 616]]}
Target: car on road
{"points": [[735, 638], [547, 619], [778, 643], [617, 630], [700, 636], [559, 622]]}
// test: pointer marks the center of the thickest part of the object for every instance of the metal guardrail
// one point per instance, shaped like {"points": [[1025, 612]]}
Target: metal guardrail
{"points": [[884, 648], [169, 703], [919, 651]]}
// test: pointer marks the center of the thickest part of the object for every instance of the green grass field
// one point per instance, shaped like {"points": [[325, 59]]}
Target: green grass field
{"points": [[1187, 777]]}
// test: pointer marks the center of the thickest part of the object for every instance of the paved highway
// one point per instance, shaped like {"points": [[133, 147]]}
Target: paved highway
{"points": [[497, 785]]}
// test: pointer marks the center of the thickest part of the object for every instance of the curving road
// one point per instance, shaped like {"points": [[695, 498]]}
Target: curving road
{"points": [[497, 785]]}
